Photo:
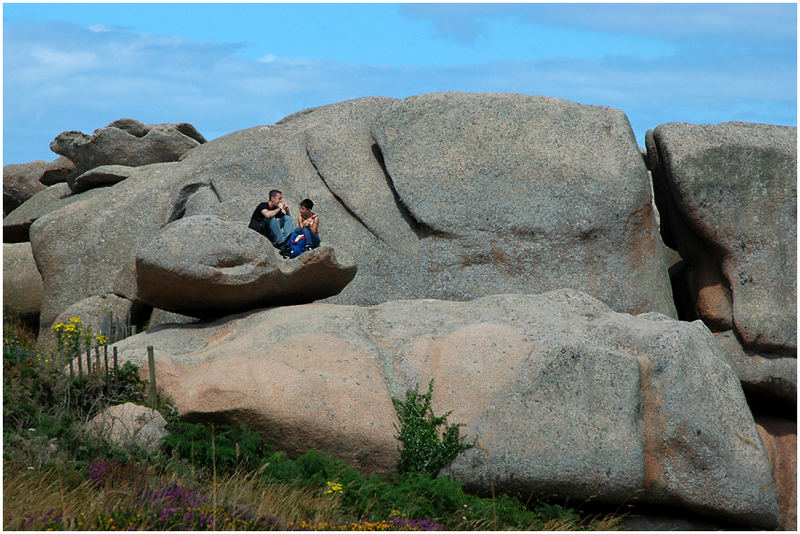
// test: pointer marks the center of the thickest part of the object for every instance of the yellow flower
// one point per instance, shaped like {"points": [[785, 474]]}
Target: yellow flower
{"points": [[334, 487]]}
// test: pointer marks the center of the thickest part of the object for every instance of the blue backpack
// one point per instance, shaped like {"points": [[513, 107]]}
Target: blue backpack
{"points": [[296, 244]]}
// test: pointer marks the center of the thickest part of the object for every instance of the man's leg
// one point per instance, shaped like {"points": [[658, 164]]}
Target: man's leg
{"points": [[287, 227], [275, 232]]}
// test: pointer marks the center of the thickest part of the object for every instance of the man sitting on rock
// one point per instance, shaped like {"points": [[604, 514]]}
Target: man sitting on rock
{"points": [[272, 220]]}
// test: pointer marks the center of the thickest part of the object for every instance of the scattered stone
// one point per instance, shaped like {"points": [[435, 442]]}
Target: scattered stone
{"points": [[131, 425]]}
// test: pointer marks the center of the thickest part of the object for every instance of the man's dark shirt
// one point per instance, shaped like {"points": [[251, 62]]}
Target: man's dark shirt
{"points": [[257, 220]]}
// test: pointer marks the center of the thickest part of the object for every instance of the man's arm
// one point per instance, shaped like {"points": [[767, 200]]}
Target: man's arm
{"points": [[267, 213]]}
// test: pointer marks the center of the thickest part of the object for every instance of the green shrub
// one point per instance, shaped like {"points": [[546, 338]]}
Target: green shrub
{"points": [[208, 445], [423, 449]]}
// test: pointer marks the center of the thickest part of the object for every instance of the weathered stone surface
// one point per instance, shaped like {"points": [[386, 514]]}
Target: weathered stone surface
{"points": [[22, 283], [369, 210], [729, 193], [770, 376], [112, 224], [21, 182], [127, 142], [780, 440], [130, 425], [92, 312], [16, 225], [564, 395], [160, 317], [329, 155], [204, 266], [102, 176], [59, 170]]}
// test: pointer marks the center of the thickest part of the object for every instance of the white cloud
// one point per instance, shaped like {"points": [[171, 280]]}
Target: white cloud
{"points": [[62, 61], [100, 28], [65, 77]]}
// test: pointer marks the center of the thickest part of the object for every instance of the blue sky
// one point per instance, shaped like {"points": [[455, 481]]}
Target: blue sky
{"points": [[226, 67]]}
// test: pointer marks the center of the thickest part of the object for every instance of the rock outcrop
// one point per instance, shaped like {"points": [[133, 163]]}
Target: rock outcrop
{"points": [[568, 191], [564, 396], [730, 191], [127, 142], [93, 312], [727, 195], [102, 176], [16, 225], [113, 223], [780, 439], [771, 376], [204, 266], [21, 182], [59, 170], [22, 283]]}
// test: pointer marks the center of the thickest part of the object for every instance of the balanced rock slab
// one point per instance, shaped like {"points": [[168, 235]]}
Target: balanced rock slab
{"points": [[564, 396], [204, 266]]}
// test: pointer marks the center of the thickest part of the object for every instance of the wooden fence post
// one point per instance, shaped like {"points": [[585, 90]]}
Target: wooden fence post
{"points": [[151, 361], [116, 370], [105, 358]]}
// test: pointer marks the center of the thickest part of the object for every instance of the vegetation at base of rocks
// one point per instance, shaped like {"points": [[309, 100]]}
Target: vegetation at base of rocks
{"points": [[425, 449], [209, 477]]}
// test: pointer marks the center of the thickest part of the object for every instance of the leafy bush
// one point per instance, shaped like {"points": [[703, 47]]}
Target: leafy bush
{"points": [[207, 445], [43, 407], [423, 449]]}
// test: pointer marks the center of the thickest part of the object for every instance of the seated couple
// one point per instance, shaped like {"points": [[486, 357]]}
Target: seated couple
{"points": [[272, 220]]}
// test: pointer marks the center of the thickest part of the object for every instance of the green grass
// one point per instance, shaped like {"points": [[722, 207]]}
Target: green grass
{"points": [[57, 476]]}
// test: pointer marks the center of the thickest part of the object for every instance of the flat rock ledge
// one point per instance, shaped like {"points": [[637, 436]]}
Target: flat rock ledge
{"points": [[564, 396], [207, 267]]}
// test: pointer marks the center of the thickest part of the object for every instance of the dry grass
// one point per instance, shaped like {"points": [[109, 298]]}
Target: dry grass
{"points": [[15, 328]]}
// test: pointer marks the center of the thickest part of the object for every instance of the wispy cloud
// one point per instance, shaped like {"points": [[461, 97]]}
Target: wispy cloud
{"points": [[61, 77], [757, 24]]}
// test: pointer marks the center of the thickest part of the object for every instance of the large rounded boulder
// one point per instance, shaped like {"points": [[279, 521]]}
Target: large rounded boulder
{"points": [[564, 396]]}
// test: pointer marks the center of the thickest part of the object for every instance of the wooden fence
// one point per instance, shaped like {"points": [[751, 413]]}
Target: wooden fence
{"points": [[94, 361]]}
